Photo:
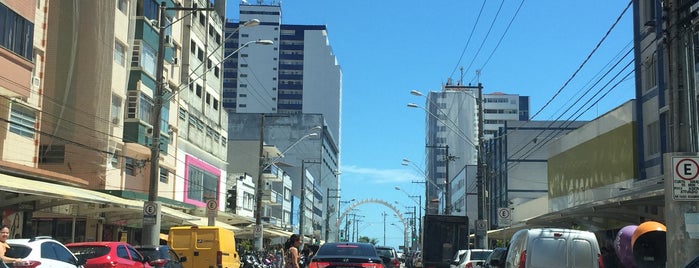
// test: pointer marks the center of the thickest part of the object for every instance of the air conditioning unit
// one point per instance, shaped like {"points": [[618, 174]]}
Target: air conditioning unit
{"points": [[168, 41]]}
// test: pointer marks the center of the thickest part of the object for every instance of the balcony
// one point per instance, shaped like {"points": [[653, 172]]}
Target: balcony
{"points": [[272, 198], [273, 174]]}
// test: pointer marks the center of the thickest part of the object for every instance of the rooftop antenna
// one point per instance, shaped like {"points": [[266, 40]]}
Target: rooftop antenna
{"points": [[259, 2], [478, 76], [461, 79]]}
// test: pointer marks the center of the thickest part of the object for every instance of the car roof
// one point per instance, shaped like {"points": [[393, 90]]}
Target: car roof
{"points": [[97, 243]]}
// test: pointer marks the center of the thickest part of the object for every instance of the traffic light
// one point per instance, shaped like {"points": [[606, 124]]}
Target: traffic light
{"points": [[414, 238], [232, 199]]}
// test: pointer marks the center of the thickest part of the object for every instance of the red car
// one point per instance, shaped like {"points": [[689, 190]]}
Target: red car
{"points": [[108, 254]]}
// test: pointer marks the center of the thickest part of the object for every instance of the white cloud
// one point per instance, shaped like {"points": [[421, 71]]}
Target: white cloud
{"points": [[354, 174]]}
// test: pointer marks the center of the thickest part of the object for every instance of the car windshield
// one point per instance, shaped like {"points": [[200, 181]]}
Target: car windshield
{"points": [[384, 252], [18, 251], [346, 250], [150, 252], [89, 252], [479, 255]]}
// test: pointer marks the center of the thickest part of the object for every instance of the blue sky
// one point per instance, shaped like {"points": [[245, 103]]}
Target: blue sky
{"points": [[387, 48]]}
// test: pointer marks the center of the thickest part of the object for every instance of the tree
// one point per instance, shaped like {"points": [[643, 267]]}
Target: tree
{"points": [[365, 239]]}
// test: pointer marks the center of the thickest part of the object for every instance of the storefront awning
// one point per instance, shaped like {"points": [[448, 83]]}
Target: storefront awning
{"points": [[58, 194], [204, 221]]}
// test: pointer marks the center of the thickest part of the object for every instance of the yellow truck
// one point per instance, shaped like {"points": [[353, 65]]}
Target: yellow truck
{"points": [[204, 246]]}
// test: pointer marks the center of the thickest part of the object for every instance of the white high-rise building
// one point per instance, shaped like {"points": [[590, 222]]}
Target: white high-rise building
{"points": [[451, 153]]}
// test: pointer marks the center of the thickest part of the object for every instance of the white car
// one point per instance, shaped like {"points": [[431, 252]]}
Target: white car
{"points": [[473, 258], [41, 251]]}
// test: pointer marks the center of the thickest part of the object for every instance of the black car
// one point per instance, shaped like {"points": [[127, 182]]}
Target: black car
{"points": [[346, 254], [496, 259], [389, 256], [161, 256]]}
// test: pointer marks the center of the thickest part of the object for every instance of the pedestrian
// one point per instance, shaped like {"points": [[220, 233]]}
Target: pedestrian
{"points": [[291, 251], [4, 234]]}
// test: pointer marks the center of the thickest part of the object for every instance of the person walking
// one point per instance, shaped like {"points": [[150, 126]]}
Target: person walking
{"points": [[291, 251], [4, 234]]}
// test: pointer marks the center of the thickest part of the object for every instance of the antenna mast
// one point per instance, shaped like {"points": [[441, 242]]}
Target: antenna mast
{"points": [[461, 79]]}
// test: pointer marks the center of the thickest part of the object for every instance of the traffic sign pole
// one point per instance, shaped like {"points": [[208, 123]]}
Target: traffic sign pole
{"points": [[212, 211]]}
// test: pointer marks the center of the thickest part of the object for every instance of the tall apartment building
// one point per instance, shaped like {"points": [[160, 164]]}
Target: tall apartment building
{"points": [[293, 79], [452, 139], [202, 122]]}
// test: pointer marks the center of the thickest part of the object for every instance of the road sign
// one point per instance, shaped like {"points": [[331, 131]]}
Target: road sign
{"points": [[150, 212], [212, 207], [685, 182], [149, 209], [481, 227], [504, 217]]}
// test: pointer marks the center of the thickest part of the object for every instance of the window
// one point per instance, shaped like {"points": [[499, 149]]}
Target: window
{"points": [[198, 91], [144, 108], [201, 185], [51, 154], [193, 47], [653, 138], [16, 33], [114, 159], [164, 175], [115, 112], [22, 120], [148, 59], [130, 166], [215, 104], [122, 5], [119, 53], [150, 9]]}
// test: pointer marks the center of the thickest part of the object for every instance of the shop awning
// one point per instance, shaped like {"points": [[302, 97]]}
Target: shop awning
{"points": [[204, 221], [58, 194]]}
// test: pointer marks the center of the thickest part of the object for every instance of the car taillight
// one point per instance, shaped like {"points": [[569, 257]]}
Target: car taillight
{"points": [[396, 263], [523, 259], [600, 261], [26, 264], [158, 262], [372, 265], [219, 258], [469, 265], [318, 264]]}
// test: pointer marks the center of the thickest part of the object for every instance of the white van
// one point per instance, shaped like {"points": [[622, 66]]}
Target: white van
{"points": [[553, 247]]}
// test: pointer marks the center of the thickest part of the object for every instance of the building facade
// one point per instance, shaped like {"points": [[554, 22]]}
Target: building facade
{"points": [[452, 139], [293, 82]]}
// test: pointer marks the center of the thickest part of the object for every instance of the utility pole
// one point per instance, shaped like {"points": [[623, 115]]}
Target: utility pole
{"points": [[447, 188], [481, 237], [151, 209], [258, 233], [384, 227]]}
